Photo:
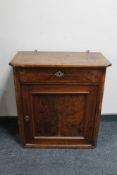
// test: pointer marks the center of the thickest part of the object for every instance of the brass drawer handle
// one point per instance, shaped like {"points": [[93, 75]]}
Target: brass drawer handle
{"points": [[59, 74]]}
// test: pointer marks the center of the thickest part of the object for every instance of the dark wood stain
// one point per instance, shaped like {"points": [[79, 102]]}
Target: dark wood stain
{"points": [[59, 111]]}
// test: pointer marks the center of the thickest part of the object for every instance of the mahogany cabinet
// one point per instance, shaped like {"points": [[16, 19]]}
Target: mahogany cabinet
{"points": [[59, 97]]}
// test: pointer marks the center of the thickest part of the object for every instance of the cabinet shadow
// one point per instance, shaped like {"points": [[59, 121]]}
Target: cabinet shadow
{"points": [[8, 113]]}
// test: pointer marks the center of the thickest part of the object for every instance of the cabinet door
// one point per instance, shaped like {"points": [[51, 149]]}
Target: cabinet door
{"points": [[59, 115]]}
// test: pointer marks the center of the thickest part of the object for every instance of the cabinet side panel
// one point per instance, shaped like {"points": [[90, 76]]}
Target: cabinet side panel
{"points": [[19, 105], [99, 107]]}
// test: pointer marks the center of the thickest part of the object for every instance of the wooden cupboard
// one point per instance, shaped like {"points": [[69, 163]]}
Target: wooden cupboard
{"points": [[59, 97]]}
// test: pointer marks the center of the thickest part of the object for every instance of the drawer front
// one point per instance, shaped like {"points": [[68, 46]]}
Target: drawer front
{"points": [[59, 76]]}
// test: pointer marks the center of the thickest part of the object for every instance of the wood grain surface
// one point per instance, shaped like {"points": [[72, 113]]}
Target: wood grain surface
{"points": [[59, 59], [59, 109]]}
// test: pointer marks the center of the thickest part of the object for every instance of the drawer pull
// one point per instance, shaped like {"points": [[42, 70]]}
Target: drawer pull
{"points": [[27, 118], [59, 74]]}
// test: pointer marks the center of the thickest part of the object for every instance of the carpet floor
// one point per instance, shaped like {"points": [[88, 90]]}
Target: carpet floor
{"points": [[15, 160]]}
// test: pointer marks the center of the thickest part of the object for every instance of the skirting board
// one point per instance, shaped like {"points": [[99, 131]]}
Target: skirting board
{"points": [[104, 117], [109, 117]]}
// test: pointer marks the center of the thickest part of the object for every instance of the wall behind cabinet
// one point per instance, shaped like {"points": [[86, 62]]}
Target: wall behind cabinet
{"points": [[69, 25]]}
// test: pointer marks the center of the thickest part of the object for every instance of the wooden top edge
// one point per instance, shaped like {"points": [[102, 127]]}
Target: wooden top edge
{"points": [[57, 66], [30, 59]]}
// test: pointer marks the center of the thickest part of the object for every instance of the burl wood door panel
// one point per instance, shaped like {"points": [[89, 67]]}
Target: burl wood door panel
{"points": [[59, 114]]}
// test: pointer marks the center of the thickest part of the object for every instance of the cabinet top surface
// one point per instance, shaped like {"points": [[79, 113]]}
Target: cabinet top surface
{"points": [[59, 59]]}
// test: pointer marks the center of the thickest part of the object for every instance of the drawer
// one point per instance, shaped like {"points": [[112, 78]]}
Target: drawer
{"points": [[59, 76]]}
